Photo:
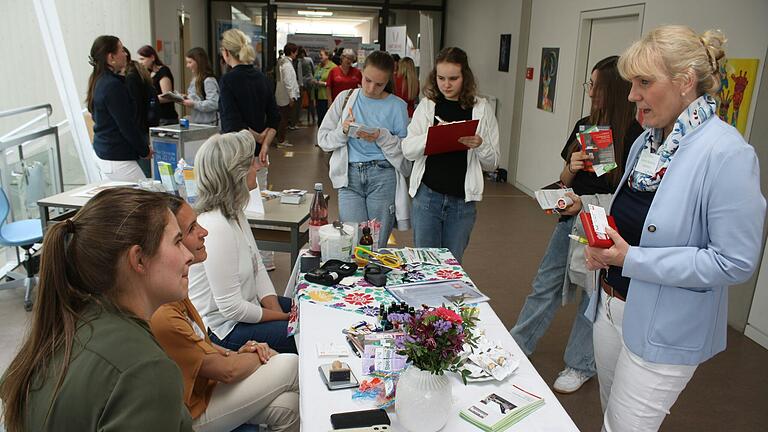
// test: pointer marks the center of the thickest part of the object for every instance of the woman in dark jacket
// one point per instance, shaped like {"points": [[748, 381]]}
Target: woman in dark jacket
{"points": [[117, 139]]}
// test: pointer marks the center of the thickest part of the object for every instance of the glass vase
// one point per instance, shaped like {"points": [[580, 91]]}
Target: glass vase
{"points": [[423, 400]]}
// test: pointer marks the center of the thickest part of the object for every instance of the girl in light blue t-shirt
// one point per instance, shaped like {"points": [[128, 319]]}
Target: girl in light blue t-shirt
{"points": [[367, 165]]}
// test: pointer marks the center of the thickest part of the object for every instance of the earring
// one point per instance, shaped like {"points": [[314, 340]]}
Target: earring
{"points": [[682, 94]]}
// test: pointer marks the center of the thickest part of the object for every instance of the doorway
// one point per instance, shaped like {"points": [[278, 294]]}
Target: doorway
{"points": [[602, 33]]}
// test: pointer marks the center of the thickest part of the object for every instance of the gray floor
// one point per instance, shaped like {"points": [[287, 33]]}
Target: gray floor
{"points": [[728, 393]]}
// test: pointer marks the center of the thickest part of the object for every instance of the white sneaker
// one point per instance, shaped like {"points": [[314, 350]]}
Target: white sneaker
{"points": [[570, 380]]}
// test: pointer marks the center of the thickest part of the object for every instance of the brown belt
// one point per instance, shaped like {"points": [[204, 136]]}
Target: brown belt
{"points": [[610, 291]]}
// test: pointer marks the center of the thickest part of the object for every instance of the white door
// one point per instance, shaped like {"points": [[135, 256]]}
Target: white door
{"points": [[602, 33], [609, 36]]}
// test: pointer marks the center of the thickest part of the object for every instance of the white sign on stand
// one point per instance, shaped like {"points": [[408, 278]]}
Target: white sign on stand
{"points": [[397, 41]]}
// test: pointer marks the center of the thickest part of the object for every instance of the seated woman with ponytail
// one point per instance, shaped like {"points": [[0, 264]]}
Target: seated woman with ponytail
{"points": [[90, 361]]}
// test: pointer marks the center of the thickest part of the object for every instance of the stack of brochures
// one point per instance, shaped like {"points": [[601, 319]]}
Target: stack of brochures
{"points": [[501, 409]]}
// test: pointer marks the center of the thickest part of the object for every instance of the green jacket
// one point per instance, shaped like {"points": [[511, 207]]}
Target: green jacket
{"points": [[321, 74], [119, 379]]}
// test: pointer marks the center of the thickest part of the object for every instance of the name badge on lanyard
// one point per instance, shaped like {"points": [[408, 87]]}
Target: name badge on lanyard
{"points": [[648, 162]]}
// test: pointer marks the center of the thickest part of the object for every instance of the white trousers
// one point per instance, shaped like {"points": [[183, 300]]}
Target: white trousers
{"points": [[270, 396], [635, 394], [128, 171]]}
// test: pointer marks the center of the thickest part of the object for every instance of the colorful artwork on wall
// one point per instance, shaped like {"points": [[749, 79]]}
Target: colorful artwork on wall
{"points": [[737, 80], [548, 78]]}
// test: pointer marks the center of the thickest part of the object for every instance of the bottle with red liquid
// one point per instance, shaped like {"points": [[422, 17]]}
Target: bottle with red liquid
{"points": [[318, 216]]}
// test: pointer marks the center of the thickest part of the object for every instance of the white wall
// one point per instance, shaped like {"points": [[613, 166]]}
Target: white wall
{"points": [[555, 23], [166, 28], [477, 31], [27, 78]]}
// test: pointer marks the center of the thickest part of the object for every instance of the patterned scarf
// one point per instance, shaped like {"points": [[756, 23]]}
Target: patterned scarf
{"points": [[696, 114]]}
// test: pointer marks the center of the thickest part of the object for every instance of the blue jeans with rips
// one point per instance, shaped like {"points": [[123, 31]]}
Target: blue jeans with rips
{"points": [[541, 304], [370, 194], [442, 221], [273, 333]]}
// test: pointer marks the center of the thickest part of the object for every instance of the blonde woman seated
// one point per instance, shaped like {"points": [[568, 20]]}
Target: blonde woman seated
{"points": [[231, 289], [224, 389]]}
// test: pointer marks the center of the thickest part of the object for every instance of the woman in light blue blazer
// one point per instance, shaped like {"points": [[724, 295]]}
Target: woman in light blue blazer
{"points": [[689, 214]]}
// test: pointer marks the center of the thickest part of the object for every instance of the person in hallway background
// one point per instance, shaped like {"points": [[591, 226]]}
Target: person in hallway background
{"points": [[286, 90], [231, 289], [407, 84], [445, 187], [690, 216], [89, 361], [369, 170], [246, 101], [344, 77], [224, 389], [162, 78], [336, 57], [561, 274], [117, 138], [142, 92], [320, 81], [305, 74], [203, 92]]}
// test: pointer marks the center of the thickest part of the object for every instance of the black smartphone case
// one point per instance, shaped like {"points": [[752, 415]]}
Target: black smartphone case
{"points": [[356, 419]]}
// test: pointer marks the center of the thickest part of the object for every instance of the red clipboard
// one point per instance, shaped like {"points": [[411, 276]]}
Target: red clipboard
{"points": [[445, 138]]}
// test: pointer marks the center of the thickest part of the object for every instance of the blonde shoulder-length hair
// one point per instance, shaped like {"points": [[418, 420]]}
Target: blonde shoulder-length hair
{"points": [[675, 51], [222, 165]]}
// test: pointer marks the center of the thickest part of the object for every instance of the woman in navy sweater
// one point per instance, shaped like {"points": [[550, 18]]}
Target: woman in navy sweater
{"points": [[117, 139]]}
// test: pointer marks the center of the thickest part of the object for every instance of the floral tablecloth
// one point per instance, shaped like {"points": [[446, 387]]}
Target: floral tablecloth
{"points": [[364, 298]]}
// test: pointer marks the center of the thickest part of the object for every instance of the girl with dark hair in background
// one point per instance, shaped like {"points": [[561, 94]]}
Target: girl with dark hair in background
{"points": [[369, 169], [203, 92], [163, 81], [445, 187], [90, 361], [118, 140], [561, 275]]}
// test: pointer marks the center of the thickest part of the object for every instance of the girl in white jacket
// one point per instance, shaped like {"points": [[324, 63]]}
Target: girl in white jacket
{"points": [[445, 187]]}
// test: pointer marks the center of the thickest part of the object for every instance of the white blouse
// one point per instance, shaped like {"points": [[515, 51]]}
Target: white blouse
{"points": [[227, 287]]}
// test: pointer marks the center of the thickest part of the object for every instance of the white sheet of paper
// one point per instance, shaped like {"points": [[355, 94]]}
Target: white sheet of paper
{"points": [[255, 204], [648, 162], [599, 220]]}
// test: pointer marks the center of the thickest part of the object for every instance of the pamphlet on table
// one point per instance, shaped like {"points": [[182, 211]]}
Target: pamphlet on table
{"points": [[501, 409]]}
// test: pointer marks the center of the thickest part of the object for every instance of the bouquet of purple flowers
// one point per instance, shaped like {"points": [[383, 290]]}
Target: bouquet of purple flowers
{"points": [[434, 337]]}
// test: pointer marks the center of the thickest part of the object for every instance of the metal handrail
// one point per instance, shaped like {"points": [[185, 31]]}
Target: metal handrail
{"points": [[24, 126], [22, 110]]}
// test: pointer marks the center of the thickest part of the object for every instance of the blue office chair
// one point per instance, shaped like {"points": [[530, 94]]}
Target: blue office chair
{"points": [[24, 234]]}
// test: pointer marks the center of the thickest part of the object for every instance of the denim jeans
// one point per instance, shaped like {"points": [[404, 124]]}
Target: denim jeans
{"points": [[541, 304], [370, 194], [442, 221], [274, 333]]}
